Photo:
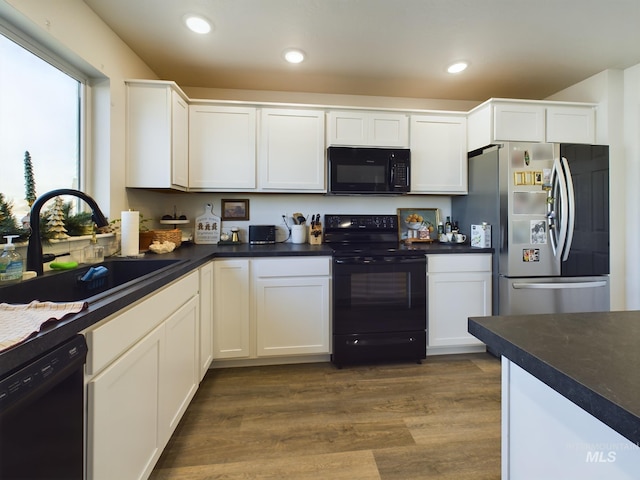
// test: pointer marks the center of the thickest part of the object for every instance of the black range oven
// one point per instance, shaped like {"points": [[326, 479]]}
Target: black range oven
{"points": [[379, 291]]}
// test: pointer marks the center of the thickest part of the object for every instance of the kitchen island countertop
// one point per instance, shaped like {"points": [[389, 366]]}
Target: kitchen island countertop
{"points": [[592, 359], [54, 333]]}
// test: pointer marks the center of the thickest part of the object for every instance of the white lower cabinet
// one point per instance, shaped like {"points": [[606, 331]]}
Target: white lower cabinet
{"points": [[459, 287], [231, 308], [124, 438], [291, 306], [180, 372], [271, 307], [206, 318], [142, 372]]}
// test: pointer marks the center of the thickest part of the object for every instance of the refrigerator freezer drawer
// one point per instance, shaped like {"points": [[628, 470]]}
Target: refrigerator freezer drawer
{"points": [[557, 286], [525, 296]]}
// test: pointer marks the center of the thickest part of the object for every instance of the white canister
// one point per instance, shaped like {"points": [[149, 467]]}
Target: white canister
{"points": [[298, 233]]}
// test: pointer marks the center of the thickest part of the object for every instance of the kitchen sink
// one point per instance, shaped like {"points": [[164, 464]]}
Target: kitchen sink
{"points": [[68, 286]]}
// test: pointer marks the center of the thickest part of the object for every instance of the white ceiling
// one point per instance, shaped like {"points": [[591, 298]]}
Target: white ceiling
{"points": [[399, 48]]}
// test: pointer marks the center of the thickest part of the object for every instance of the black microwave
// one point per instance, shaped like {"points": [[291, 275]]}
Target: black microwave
{"points": [[360, 170]]}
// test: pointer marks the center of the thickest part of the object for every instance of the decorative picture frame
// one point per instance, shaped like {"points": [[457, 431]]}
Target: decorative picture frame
{"points": [[430, 216], [235, 209]]}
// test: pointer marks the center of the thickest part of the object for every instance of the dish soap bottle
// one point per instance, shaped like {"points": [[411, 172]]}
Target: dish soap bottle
{"points": [[10, 263], [94, 253]]}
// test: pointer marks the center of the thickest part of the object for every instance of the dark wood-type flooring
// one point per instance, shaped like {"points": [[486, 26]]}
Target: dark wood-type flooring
{"points": [[438, 420]]}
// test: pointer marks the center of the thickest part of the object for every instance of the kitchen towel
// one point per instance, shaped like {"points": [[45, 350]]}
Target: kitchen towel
{"points": [[19, 322], [130, 233]]}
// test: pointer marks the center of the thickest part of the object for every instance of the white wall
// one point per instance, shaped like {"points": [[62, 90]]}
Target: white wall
{"points": [[631, 220], [268, 208], [608, 89]]}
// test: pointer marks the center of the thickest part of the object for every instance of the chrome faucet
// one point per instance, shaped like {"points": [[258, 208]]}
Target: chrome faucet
{"points": [[34, 249]]}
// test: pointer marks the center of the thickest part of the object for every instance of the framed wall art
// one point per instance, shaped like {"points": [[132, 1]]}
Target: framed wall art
{"points": [[236, 209], [415, 219]]}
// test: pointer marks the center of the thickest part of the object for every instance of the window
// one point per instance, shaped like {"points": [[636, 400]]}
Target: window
{"points": [[40, 113]]}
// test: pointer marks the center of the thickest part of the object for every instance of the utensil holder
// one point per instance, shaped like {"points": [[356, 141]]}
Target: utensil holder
{"points": [[298, 234]]}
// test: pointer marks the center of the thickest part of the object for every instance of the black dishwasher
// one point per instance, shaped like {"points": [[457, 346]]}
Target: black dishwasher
{"points": [[42, 416]]}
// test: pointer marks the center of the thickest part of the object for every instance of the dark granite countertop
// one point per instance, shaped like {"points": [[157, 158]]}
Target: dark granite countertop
{"points": [[592, 359], [55, 333]]}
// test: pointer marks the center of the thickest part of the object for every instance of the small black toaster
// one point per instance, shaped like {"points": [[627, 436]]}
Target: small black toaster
{"points": [[262, 234]]}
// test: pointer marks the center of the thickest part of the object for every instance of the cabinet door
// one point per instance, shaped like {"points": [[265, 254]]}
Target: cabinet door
{"points": [[222, 148], [231, 309], [448, 316], [388, 130], [292, 315], [291, 153], [571, 124], [123, 437], [179, 140], [368, 129], [519, 122], [206, 318], [179, 380], [438, 154], [156, 125], [348, 128]]}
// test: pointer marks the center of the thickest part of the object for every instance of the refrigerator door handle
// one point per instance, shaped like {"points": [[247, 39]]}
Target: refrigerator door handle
{"points": [[558, 286], [558, 233], [571, 209]]}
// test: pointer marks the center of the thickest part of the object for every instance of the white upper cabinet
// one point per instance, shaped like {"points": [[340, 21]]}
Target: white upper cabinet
{"points": [[157, 135], [222, 148], [519, 122], [291, 153], [373, 129], [438, 154], [530, 121], [571, 124]]}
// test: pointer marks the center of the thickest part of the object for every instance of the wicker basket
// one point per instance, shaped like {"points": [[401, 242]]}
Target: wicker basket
{"points": [[174, 236]]}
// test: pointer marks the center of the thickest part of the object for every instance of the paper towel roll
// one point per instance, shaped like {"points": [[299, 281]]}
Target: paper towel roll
{"points": [[130, 231]]}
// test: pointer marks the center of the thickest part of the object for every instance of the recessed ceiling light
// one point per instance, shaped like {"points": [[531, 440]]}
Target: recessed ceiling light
{"points": [[457, 67], [294, 55], [197, 24]]}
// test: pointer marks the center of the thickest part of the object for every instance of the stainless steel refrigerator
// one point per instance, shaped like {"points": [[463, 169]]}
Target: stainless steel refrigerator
{"points": [[548, 207]]}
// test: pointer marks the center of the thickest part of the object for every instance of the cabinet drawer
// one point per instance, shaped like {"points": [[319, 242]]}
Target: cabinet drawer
{"points": [[469, 262], [112, 338], [288, 267]]}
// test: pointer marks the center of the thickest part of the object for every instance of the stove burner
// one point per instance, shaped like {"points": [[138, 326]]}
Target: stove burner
{"points": [[363, 235]]}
